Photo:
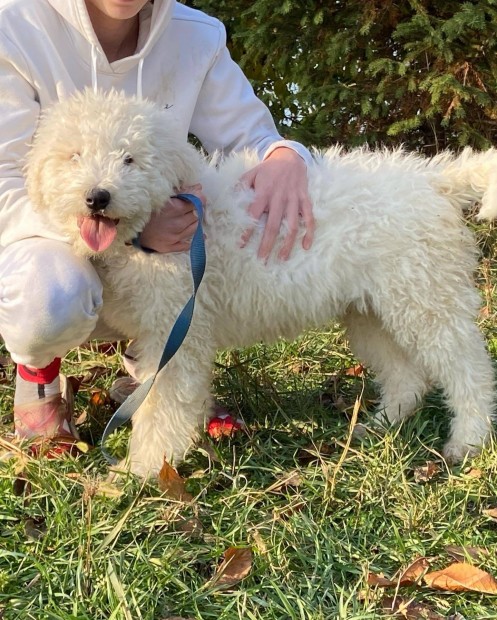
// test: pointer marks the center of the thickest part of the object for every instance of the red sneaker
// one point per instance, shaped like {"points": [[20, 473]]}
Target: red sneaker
{"points": [[223, 424]]}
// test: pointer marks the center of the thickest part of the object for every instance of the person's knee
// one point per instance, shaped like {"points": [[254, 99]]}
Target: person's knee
{"points": [[48, 306]]}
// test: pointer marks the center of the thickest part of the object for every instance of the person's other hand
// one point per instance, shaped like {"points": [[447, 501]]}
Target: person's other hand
{"points": [[281, 191]]}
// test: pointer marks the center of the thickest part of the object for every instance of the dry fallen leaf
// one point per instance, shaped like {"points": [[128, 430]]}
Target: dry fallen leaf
{"points": [[99, 398], [462, 577], [192, 527], [381, 581], [313, 453], [355, 371], [236, 565], [408, 577], [474, 473], [491, 512], [461, 553], [172, 484], [424, 473], [35, 528], [414, 571], [290, 479], [408, 609], [107, 489]]}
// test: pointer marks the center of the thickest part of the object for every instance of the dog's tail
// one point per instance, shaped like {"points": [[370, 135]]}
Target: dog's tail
{"points": [[470, 178]]}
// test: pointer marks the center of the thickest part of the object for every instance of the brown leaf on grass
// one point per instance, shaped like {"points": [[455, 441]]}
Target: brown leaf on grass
{"points": [[21, 486], [81, 419], [381, 581], [172, 484], [75, 382], [35, 528], [313, 453], [461, 553], [191, 528], [410, 576], [290, 479], [408, 609], [236, 565], [5, 363], [107, 489], [473, 472], [99, 397], [355, 371], [104, 348], [5, 360], [424, 473], [462, 577], [414, 572], [491, 512]]}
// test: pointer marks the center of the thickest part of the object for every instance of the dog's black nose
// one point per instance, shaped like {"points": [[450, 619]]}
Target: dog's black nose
{"points": [[97, 199]]}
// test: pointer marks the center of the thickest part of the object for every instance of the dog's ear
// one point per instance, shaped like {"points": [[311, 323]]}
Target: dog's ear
{"points": [[177, 160], [187, 162]]}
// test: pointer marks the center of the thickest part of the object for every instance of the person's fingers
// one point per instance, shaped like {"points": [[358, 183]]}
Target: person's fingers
{"points": [[292, 220], [271, 230], [309, 223], [189, 231], [255, 210]]}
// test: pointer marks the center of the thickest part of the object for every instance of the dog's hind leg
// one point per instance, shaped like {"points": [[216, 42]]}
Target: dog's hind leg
{"points": [[455, 355], [402, 382]]}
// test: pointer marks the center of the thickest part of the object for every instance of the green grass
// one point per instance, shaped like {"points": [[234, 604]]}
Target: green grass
{"points": [[69, 552]]}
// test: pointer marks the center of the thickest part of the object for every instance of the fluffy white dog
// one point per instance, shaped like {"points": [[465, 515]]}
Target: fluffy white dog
{"points": [[392, 259]]}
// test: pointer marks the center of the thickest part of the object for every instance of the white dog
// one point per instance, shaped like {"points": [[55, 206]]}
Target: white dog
{"points": [[392, 259]]}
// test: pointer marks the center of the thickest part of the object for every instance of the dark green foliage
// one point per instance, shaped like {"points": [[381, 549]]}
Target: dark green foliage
{"points": [[420, 72]]}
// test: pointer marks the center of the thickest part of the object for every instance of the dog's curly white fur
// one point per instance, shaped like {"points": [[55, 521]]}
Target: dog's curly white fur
{"points": [[392, 259]]}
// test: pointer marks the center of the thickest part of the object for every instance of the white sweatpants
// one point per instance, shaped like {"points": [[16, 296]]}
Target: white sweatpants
{"points": [[49, 301]]}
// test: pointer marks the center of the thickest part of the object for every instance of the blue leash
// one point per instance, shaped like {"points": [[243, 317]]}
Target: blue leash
{"points": [[176, 336]]}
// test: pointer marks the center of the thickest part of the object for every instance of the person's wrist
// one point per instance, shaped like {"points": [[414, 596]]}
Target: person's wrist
{"points": [[137, 242]]}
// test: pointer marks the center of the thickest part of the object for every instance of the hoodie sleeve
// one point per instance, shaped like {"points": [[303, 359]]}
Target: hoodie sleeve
{"points": [[19, 112], [228, 115]]}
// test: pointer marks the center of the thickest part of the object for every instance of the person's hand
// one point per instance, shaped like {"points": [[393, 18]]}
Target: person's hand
{"points": [[281, 191], [171, 229]]}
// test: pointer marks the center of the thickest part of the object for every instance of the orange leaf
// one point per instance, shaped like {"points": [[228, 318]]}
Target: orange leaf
{"points": [[172, 484], [380, 581], [474, 473], [413, 572], [462, 577], [408, 577], [99, 398], [355, 371], [236, 565], [491, 512]]}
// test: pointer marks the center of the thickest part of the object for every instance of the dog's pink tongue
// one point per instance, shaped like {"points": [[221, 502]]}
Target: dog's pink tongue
{"points": [[97, 232]]}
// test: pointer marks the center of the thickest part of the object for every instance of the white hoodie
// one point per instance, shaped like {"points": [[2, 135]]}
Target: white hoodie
{"points": [[48, 50]]}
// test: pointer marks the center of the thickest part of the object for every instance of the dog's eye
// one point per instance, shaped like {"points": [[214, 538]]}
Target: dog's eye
{"points": [[75, 157], [127, 159]]}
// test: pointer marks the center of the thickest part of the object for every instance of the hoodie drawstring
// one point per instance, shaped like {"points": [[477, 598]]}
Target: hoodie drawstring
{"points": [[94, 75], [94, 78], [139, 79]]}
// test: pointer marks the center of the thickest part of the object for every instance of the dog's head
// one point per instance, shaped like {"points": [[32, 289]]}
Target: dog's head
{"points": [[101, 164]]}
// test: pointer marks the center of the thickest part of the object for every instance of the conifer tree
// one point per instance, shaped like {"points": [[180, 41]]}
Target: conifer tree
{"points": [[419, 72]]}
